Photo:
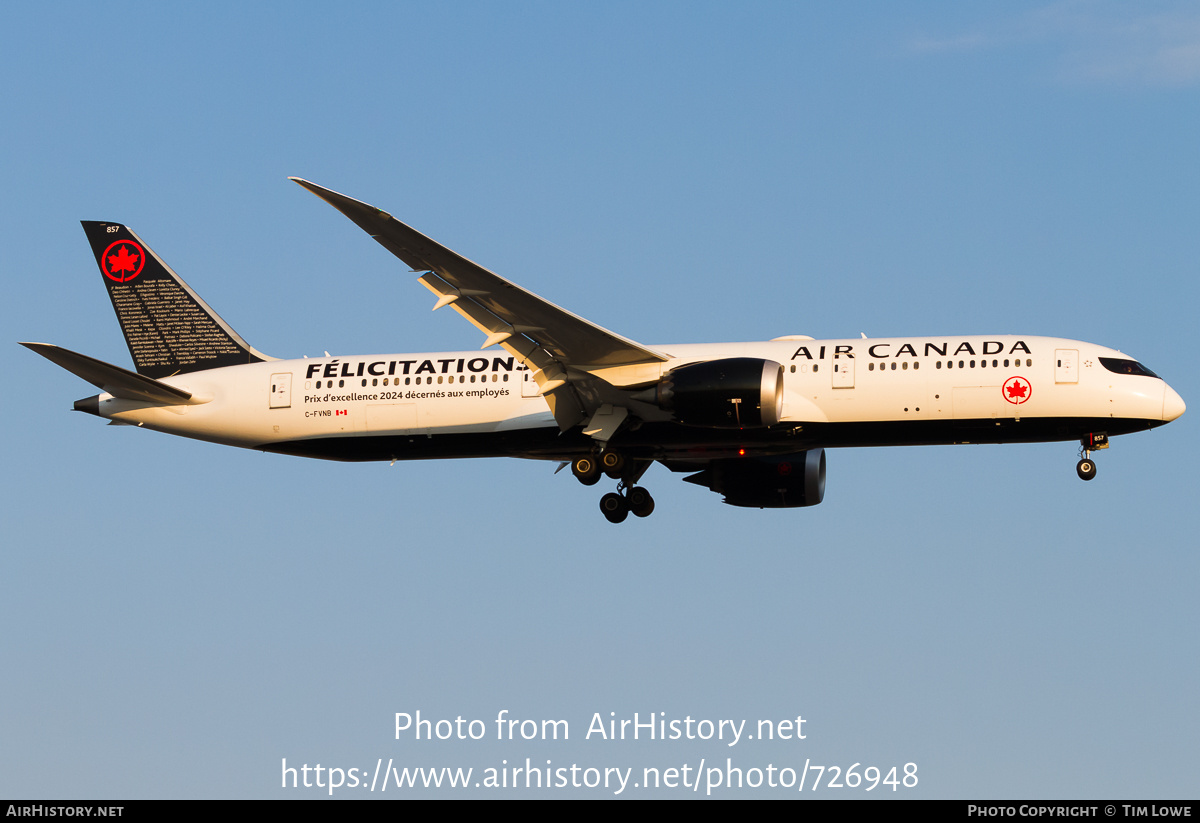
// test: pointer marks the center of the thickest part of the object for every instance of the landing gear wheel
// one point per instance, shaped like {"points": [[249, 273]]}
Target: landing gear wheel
{"points": [[613, 464], [586, 470], [1086, 469], [640, 502], [614, 507]]}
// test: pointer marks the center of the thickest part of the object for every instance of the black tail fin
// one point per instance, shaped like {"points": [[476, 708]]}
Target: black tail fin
{"points": [[168, 328]]}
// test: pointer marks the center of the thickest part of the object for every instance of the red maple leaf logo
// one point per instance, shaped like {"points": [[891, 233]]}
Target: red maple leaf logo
{"points": [[125, 263], [122, 261], [1017, 390]]}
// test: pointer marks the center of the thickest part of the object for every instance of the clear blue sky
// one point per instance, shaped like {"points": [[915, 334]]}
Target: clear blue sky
{"points": [[179, 617]]}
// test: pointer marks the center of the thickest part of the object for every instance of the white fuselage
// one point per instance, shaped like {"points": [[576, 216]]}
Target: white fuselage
{"points": [[892, 391]]}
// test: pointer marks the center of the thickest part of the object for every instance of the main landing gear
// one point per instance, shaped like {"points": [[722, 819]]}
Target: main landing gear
{"points": [[616, 506], [586, 470], [628, 498], [1086, 467]]}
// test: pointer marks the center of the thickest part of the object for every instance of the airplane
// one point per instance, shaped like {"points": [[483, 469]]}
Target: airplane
{"points": [[750, 421]]}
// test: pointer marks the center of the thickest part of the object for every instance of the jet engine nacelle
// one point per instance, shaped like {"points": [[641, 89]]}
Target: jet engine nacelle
{"points": [[735, 393], [785, 482]]}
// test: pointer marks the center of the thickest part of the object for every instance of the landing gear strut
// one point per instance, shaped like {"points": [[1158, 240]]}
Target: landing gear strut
{"points": [[1086, 467]]}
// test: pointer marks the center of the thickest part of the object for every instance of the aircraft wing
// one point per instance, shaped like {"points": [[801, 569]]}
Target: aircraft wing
{"points": [[558, 345], [507, 306]]}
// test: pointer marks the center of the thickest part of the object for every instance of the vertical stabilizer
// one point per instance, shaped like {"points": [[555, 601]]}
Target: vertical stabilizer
{"points": [[168, 328]]}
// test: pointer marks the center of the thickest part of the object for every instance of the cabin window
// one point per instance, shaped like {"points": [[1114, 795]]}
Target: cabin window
{"points": [[904, 366]]}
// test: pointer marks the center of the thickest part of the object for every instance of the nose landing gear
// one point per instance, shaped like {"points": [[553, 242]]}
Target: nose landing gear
{"points": [[1086, 467]]}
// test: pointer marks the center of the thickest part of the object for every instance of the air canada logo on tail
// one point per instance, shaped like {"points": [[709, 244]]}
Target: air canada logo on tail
{"points": [[123, 260]]}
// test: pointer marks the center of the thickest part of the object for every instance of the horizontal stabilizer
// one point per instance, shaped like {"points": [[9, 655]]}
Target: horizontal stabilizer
{"points": [[115, 380]]}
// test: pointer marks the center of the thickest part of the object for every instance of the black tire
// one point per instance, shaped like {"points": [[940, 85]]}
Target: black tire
{"points": [[641, 504], [613, 464], [614, 507], [1086, 469], [586, 470]]}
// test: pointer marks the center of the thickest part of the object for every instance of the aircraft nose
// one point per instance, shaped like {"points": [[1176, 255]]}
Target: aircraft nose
{"points": [[1173, 404]]}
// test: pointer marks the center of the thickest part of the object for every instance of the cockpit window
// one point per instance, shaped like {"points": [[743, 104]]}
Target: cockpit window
{"points": [[1120, 366]]}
